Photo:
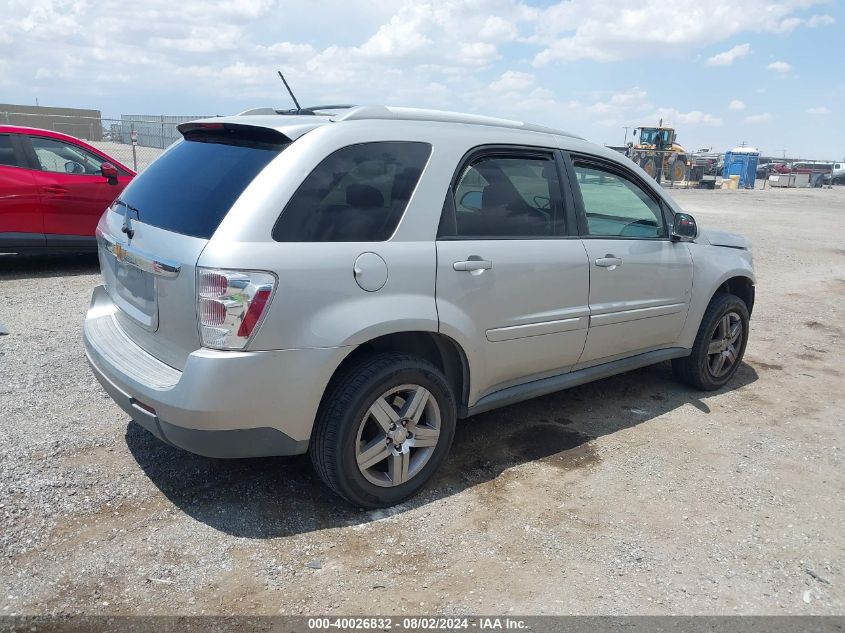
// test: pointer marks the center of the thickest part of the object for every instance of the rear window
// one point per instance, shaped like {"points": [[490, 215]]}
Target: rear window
{"points": [[356, 194], [190, 188]]}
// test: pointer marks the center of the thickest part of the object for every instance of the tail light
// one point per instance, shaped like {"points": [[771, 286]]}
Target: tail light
{"points": [[230, 304]]}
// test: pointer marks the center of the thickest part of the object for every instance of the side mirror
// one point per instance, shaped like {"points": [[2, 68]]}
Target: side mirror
{"points": [[471, 200], [109, 172], [684, 228]]}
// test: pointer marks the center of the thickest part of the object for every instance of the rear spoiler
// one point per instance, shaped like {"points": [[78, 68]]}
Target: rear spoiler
{"points": [[233, 134]]}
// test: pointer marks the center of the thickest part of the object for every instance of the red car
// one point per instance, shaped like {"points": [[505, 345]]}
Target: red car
{"points": [[53, 190]]}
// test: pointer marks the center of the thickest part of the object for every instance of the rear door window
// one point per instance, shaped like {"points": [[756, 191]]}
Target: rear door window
{"points": [[356, 194], [507, 196], [191, 187]]}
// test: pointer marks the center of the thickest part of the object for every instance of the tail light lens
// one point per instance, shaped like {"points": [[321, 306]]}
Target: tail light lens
{"points": [[230, 304]]}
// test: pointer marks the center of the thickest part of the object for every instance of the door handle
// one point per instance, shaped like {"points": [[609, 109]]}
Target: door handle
{"points": [[609, 261], [472, 264], [55, 189]]}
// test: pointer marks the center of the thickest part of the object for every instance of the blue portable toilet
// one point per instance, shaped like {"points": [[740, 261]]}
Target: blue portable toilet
{"points": [[742, 162]]}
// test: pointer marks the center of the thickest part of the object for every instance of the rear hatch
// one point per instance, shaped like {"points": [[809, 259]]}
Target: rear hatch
{"points": [[151, 238]]}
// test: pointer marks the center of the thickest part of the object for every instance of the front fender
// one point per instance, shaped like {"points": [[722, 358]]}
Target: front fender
{"points": [[712, 267]]}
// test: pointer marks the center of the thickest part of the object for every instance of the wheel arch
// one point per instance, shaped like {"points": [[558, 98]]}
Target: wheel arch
{"points": [[741, 286], [723, 271], [440, 350]]}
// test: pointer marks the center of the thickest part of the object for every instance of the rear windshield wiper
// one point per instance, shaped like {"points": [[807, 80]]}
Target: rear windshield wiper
{"points": [[127, 226], [135, 210]]}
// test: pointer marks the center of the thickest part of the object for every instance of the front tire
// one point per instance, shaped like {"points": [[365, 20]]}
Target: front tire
{"points": [[384, 427], [719, 345], [678, 168]]}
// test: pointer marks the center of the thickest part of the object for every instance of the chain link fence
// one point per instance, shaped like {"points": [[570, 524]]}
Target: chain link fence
{"points": [[134, 139]]}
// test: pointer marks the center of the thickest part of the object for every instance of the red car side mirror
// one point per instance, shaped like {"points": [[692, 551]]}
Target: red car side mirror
{"points": [[109, 172]]}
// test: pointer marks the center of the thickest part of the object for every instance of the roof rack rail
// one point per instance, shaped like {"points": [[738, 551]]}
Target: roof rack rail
{"points": [[419, 114]]}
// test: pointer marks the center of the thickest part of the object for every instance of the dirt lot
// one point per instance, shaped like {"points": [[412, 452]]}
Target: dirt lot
{"points": [[631, 495]]}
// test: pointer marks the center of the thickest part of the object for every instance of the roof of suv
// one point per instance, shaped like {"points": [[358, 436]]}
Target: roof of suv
{"points": [[293, 126]]}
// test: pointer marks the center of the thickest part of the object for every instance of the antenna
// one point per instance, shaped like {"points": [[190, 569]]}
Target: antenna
{"points": [[290, 92]]}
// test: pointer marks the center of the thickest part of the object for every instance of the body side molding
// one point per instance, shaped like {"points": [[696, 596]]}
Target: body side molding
{"points": [[545, 386]]}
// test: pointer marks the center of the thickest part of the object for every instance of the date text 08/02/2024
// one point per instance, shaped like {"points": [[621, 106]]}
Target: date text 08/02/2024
{"points": [[415, 623]]}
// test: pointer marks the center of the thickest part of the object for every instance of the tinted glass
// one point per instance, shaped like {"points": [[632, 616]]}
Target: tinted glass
{"points": [[356, 194], [7, 152], [65, 158], [508, 196], [191, 187], [616, 207]]}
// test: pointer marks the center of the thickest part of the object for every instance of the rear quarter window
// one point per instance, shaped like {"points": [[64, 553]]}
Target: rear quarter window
{"points": [[356, 194], [7, 151]]}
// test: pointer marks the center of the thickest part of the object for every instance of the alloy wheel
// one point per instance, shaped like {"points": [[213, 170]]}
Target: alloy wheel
{"points": [[398, 435], [723, 351]]}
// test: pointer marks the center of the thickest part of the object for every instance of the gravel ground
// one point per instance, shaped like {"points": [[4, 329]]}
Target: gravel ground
{"points": [[631, 495]]}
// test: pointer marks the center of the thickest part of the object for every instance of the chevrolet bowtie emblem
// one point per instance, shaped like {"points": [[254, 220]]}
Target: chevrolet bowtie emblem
{"points": [[119, 252]]}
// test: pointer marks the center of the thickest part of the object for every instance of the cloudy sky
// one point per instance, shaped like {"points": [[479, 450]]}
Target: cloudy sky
{"points": [[767, 73]]}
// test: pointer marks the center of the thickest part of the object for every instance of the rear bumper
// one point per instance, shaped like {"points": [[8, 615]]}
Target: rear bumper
{"points": [[223, 404]]}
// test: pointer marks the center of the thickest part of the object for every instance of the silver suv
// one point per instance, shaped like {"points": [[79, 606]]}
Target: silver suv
{"points": [[350, 285]]}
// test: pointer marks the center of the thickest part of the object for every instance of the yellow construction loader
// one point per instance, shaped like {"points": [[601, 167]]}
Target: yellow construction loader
{"points": [[657, 149]]}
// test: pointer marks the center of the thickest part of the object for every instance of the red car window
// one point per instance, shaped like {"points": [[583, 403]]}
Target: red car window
{"points": [[65, 158], [7, 151]]}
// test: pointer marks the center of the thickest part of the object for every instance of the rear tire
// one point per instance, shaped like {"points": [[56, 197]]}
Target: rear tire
{"points": [[719, 345], [384, 427]]}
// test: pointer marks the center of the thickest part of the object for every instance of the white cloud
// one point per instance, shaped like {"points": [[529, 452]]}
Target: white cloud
{"points": [[729, 56], [672, 116], [629, 97], [286, 50], [477, 53], [606, 30], [819, 20], [818, 111], [514, 93], [790, 24], [512, 80], [780, 67], [202, 39], [404, 34], [624, 107], [765, 117], [497, 29], [196, 56], [736, 104]]}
